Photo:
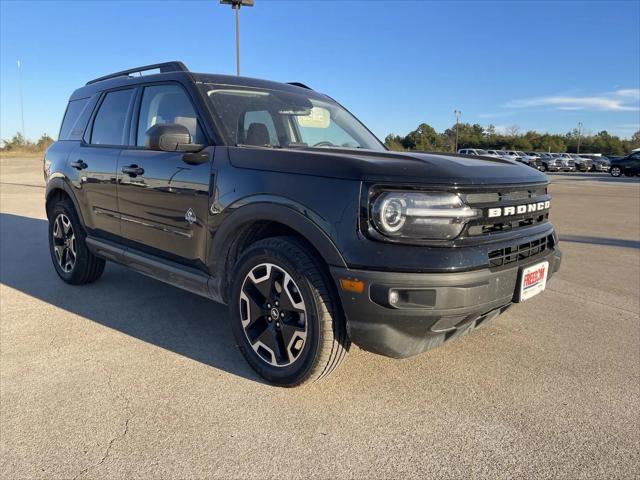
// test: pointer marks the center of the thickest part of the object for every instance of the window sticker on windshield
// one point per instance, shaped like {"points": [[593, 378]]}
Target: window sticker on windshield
{"points": [[318, 118]]}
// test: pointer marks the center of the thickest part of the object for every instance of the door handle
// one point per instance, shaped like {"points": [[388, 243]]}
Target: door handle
{"points": [[133, 170], [79, 165]]}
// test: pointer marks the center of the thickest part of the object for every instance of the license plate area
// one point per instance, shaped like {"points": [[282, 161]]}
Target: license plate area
{"points": [[533, 280]]}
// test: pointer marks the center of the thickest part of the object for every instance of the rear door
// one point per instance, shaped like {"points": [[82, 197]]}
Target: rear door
{"points": [[162, 200], [95, 161]]}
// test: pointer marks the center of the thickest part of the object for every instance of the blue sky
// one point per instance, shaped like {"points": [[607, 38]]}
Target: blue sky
{"points": [[540, 65]]}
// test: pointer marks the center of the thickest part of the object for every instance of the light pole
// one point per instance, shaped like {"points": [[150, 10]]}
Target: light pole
{"points": [[236, 4], [457, 113], [579, 136], [21, 101]]}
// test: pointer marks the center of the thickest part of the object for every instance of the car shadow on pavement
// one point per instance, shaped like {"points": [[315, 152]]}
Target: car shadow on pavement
{"points": [[123, 300], [610, 242]]}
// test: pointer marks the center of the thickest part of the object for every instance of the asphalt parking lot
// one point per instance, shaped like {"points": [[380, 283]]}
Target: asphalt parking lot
{"points": [[130, 378]]}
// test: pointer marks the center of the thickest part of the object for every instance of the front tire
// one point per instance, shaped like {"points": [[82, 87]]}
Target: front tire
{"points": [[72, 260], [285, 315], [615, 171]]}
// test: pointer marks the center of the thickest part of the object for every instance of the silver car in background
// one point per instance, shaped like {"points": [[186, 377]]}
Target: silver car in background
{"points": [[568, 163], [549, 163], [532, 160], [600, 162], [583, 164]]}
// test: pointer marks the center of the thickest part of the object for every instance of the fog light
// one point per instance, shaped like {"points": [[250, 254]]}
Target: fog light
{"points": [[394, 296]]}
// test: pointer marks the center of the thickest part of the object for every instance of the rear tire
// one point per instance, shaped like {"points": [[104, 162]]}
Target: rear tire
{"points": [[285, 315], [72, 260]]}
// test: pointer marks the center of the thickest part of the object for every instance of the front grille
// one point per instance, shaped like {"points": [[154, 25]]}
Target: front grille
{"points": [[517, 253], [510, 197]]}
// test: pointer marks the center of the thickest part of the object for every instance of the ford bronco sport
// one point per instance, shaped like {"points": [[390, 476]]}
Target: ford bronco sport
{"points": [[273, 199]]}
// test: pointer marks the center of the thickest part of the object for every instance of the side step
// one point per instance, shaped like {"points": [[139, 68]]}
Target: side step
{"points": [[166, 271]]}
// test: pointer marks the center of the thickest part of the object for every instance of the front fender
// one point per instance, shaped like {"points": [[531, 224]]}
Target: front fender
{"points": [[271, 209]]}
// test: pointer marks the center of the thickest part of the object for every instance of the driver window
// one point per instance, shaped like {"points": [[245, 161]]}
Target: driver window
{"points": [[167, 104]]}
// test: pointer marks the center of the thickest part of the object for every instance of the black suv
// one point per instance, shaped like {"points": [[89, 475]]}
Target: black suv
{"points": [[629, 165], [272, 198]]}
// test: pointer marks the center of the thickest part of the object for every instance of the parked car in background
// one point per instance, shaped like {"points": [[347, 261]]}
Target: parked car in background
{"points": [[568, 163], [532, 160], [583, 164], [549, 163], [508, 156], [476, 152], [600, 162], [494, 153], [629, 165]]}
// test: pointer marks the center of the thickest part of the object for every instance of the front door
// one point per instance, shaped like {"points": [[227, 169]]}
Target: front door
{"points": [[163, 201]]}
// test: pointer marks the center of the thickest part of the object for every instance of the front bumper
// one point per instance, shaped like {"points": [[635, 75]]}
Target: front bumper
{"points": [[438, 306]]}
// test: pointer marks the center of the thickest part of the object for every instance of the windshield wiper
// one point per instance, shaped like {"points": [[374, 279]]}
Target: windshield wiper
{"points": [[258, 146]]}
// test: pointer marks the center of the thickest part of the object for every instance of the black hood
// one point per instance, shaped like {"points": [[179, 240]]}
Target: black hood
{"points": [[372, 165]]}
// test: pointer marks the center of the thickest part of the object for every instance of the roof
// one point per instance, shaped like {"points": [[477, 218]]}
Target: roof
{"points": [[177, 71]]}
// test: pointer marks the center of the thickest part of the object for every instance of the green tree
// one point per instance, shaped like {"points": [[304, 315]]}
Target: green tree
{"points": [[18, 142], [44, 142], [423, 138]]}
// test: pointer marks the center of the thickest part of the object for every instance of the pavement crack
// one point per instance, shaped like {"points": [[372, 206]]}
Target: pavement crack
{"points": [[120, 436]]}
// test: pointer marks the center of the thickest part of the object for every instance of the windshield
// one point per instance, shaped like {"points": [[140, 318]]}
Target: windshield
{"points": [[283, 119]]}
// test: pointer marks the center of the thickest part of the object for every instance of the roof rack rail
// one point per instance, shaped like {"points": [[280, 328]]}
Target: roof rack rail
{"points": [[163, 67], [300, 84]]}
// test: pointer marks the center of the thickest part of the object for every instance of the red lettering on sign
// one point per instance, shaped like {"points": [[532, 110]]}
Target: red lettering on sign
{"points": [[534, 277]]}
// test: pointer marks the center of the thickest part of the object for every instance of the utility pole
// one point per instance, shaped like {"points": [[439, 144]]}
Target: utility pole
{"points": [[579, 136], [21, 101], [457, 113], [236, 4]]}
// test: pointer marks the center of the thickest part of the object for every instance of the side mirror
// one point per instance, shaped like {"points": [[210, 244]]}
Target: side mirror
{"points": [[170, 137]]}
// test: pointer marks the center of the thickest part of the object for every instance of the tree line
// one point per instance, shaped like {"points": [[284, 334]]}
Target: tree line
{"points": [[425, 138], [20, 144]]}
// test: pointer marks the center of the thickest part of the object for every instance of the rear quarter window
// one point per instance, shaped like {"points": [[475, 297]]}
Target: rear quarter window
{"points": [[74, 111]]}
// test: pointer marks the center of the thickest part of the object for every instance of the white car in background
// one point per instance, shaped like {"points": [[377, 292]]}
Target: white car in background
{"points": [[503, 154], [476, 152], [493, 153], [532, 160]]}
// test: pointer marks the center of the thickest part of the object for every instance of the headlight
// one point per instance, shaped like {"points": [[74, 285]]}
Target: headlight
{"points": [[421, 215]]}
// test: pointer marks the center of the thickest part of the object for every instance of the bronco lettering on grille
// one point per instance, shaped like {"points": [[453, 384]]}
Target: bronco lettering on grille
{"points": [[518, 209]]}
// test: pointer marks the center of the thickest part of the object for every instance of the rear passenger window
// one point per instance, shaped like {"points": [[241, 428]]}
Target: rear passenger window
{"points": [[71, 116], [109, 124], [167, 104]]}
